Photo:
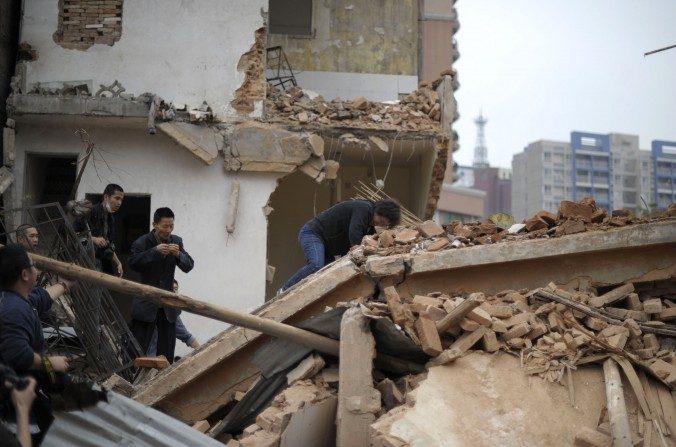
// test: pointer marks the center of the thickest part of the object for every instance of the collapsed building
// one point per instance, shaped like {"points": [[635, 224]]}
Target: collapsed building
{"points": [[245, 156], [561, 292], [193, 124]]}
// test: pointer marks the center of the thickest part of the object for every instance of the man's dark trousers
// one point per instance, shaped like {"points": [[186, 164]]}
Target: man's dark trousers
{"points": [[166, 334]]}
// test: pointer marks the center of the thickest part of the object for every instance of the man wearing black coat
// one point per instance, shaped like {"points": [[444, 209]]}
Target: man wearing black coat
{"points": [[334, 231], [155, 256]]}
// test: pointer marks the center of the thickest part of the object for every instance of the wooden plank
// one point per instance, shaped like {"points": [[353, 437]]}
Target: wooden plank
{"points": [[166, 298], [456, 315], [617, 409], [617, 294], [459, 347], [543, 294], [358, 400]]}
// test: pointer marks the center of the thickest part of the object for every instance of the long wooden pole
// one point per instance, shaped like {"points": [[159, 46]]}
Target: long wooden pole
{"points": [[182, 302], [617, 409]]}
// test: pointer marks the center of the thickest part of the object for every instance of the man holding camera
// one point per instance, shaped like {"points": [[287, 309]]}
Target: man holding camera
{"points": [[102, 226], [21, 339]]}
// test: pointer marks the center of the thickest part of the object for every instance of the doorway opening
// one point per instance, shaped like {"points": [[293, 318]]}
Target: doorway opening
{"points": [[132, 220]]}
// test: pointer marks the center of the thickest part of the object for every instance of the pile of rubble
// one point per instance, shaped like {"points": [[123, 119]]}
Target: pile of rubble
{"points": [[571, 218], [419, 111], [552, 331], [281, 422]]}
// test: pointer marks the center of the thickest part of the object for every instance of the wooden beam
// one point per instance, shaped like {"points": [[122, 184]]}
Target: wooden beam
{"points": [[358, 400], [221, 366], [667, 330], [183, 302], [617, 409], [456, 315]]}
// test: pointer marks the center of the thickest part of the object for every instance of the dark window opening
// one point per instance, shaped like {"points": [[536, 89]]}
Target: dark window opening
{"points": [[291, 17]]}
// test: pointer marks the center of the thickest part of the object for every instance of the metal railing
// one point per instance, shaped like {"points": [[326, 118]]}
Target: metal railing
{"points": [[84, 324]]}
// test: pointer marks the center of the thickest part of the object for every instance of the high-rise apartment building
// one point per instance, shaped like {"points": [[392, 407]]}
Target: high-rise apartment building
{"points": [[608, 167], [664, 172]]}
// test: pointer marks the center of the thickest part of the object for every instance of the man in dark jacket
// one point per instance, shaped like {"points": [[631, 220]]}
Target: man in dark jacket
{"points": [[155, 256], [102, 226], [334, 231]]}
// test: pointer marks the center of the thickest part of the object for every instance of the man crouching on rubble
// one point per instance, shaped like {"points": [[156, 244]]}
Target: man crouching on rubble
{"points": [[21, 340], [342, 226], [155, 256]]}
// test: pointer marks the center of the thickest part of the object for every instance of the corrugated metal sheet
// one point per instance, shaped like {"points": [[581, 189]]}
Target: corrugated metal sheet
{"points": [[122, 422]]}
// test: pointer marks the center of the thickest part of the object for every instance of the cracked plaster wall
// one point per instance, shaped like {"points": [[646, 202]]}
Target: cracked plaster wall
{"points": [[375, 36], [186, 51], [198, 194]]}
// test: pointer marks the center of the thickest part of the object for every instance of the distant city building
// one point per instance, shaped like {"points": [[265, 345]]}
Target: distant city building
{"points": [[495, 183], [460, 203], [608, 167]]}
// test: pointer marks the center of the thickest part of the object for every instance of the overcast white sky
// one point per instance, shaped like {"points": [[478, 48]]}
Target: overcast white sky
{"points": [[542, 68]]}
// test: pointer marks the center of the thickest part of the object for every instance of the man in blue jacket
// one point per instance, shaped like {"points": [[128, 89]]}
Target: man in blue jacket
{"points": [[21, 340], [22, 343], [334, 231], [155, 256]]}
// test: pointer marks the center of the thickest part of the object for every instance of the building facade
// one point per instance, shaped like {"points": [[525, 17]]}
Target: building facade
{"points": [[608, 167], [664, 172], [460, 203], [182, 123]]}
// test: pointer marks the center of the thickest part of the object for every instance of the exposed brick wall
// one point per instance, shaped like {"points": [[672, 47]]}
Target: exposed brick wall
{"points": [[82, 23]]}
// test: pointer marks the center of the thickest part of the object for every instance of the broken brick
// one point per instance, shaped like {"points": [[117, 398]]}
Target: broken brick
{"points": [[570, 227], [480, 316], [490, 341], [549, 218], [595, 323], [519, 318], [652, 306], [468, 325], [667, 314], [519, 330], [428, 301], [406, 236], [498, 311], [535, 223], [438, 244], [386, 239], [397, 309], [430, 228], [568, 210], [633, 302], [650, 341], [428, 335]]}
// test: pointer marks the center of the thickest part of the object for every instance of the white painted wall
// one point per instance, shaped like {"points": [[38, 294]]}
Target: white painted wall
{"points": [[186, 51], [228, 272], [374, 87]]}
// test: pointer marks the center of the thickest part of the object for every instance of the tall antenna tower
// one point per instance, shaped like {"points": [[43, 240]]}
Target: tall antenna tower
{"points": [[480, 150]]}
